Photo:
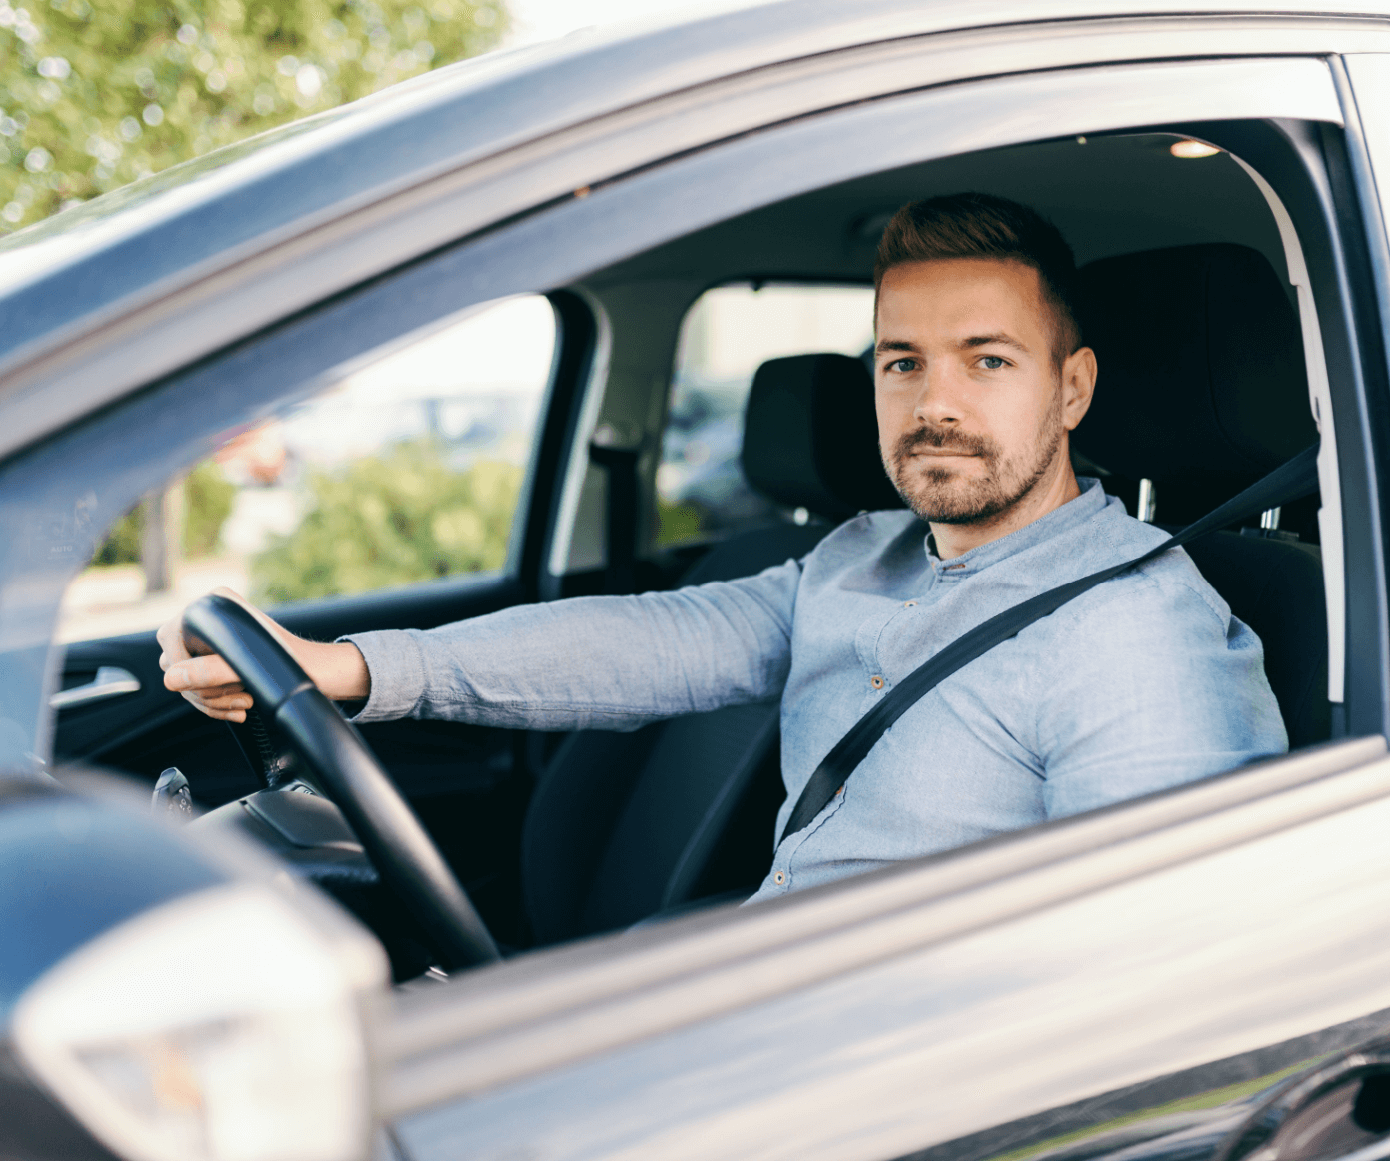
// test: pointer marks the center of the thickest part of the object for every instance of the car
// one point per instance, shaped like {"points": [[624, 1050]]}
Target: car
{"points": [[411, 361]]}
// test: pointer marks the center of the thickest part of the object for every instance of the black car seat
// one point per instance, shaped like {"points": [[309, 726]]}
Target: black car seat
{"points": [[1202, 390], [623, 825]]}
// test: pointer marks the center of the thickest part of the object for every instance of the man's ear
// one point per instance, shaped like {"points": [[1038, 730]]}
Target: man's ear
{"points": [[1078, 386]]}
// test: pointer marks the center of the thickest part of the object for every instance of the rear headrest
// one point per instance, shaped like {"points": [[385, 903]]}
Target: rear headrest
{"points": [[1201, 364], [810, 437]]}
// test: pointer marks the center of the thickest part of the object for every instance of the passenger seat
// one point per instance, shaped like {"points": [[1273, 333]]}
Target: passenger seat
{"points": [[1202, 391]]}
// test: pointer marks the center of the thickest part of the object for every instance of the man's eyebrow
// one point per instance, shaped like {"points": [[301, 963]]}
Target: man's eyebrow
{"points": [[884, 345], [1000, 339]]}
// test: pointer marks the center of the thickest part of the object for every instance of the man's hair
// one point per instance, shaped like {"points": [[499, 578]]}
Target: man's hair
{"points": [[978, 225]]}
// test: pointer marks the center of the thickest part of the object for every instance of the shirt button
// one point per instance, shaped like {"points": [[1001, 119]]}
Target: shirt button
{"points": [[876, 681], [779, 878]]}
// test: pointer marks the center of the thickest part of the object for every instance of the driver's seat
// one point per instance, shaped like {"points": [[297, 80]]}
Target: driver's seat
{"points": [[623, 825]]}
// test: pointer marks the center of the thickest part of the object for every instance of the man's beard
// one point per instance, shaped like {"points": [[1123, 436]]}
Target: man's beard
{"points": [[939, 495]]}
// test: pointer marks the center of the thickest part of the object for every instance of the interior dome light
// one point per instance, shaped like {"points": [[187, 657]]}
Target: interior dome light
{"points": [[227, 1025], [1191, 148]]}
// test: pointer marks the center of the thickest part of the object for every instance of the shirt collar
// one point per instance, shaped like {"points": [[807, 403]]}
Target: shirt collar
{"points": [[1070, 515]]}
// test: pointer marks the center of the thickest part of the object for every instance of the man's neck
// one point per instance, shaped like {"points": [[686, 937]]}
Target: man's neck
{"points": [[1058, 487]]}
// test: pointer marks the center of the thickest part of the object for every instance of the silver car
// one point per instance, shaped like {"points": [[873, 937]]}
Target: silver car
{"points": [[413, 360]]}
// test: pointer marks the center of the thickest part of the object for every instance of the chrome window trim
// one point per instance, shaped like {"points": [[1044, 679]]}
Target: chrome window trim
{"points": [[58, 377]]}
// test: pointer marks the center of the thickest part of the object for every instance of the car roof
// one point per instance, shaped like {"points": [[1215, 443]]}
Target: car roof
{"points": [[64, 276]]}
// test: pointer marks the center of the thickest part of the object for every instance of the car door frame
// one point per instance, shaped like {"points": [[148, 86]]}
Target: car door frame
{"points": [[483, 1070], [554, 238]]}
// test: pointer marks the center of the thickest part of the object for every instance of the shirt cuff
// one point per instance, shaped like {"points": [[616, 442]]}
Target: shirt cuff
{"points": [[397, 670]]}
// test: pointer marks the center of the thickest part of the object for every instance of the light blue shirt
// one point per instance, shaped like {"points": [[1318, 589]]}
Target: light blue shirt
{"points": [[1144, 682]]}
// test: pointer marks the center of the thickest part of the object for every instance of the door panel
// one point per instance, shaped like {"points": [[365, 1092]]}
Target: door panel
{"points": [[1177, 974]]}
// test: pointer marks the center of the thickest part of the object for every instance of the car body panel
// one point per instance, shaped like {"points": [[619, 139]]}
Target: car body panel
{"points": [[937, 1021]]}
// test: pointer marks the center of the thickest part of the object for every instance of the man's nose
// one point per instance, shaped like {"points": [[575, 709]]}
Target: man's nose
{"points": [[938, 404]]}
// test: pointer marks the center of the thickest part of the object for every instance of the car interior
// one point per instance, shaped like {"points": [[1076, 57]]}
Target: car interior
{"points": [[1202, 390]]}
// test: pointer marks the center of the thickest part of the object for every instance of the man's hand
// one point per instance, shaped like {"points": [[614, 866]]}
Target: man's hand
{"points": [[209, 683]]}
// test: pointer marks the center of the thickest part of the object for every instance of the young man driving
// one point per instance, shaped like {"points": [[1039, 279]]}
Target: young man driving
{"points": [[1144, 682]]}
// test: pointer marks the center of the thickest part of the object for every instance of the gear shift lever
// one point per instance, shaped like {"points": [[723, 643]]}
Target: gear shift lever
{"points": [[172, 795]]}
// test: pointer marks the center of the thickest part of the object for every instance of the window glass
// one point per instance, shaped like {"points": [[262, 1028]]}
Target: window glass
{"points": [[408, 468], [726, 336]]}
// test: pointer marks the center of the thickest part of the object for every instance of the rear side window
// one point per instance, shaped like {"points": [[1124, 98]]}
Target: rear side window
{"points": [[728, 333], [408, 468]]}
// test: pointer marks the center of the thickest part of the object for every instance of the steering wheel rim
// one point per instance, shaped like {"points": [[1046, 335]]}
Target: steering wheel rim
{"points": [[350, 776]]}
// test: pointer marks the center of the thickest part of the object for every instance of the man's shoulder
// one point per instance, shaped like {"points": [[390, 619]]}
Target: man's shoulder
{"points": [[1168, 586]]}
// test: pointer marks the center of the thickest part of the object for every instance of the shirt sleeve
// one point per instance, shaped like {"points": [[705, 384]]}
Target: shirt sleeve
{"points": [[1166, 688], [612, 663]]}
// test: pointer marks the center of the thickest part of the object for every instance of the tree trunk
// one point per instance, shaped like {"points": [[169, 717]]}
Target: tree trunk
{"points": [[162, 538]]}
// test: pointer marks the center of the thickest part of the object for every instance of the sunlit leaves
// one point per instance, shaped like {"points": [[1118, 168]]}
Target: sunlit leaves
{"points": [[404, 516], [93, 95]]}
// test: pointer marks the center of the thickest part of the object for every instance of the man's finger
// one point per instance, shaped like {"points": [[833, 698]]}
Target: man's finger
{"points": [[170, 638], [224, 715], [217, 692], [214, 712], [227, 701], [200, 673]]}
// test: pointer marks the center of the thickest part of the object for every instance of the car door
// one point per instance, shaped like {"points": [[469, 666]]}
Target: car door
{"points": [[1207, 942]]}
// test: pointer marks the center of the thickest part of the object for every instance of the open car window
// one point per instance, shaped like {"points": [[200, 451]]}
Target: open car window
{"points": [[730, 331], [407, 469]]}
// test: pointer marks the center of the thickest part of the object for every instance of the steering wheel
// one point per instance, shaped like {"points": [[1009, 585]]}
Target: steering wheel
{"points": [[349, 774]]}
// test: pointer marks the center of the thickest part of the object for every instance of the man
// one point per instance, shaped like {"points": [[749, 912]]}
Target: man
{"points": [[1144, 682]]}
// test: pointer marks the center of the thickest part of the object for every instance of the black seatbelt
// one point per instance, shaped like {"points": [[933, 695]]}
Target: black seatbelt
{"points": [[1292, 481], [621, 465]]}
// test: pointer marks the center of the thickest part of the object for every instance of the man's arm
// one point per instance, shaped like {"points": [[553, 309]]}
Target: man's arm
{"points": [[605, 662], [1162, 689]]}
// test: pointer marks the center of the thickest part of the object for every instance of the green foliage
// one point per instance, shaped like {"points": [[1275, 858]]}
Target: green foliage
{"points": [[207, 502], [677, 523], [97, 93], [393, 519], [122, 546]]}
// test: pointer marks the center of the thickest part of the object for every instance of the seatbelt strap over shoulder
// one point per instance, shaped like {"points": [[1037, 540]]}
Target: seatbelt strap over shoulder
{"points": [[1292, 481]]}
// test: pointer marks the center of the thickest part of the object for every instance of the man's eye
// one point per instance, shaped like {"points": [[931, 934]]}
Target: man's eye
{"points": [[992, 362], [902, 366]]}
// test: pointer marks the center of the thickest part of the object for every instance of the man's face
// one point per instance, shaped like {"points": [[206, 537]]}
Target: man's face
{"points": [[973, 410]]}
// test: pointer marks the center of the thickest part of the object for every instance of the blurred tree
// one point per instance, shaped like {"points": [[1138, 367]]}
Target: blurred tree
{"points": [[404, 516], [96, 93], [207, 499]]}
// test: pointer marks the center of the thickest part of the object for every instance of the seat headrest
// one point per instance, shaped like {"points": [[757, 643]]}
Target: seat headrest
{"points": [[1201, 364], [810, 436]]}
